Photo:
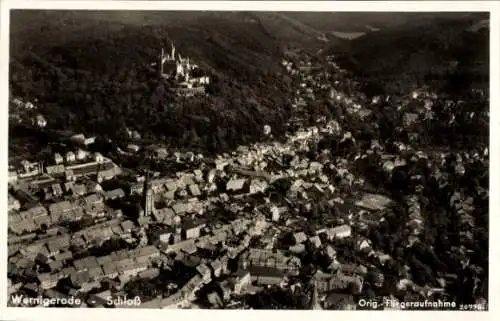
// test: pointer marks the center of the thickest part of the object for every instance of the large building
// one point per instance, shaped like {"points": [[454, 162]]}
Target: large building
{"points": [[187, 76]]}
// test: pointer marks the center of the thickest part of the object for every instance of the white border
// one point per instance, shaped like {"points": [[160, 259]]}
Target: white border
{"points": [[394, 6]]}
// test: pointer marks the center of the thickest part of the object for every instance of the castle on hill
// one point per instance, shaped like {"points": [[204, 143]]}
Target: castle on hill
{"points": [[188, 77]]}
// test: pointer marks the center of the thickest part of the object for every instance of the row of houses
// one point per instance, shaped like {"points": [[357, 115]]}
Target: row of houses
{"points": [[38, 217], [91, 269]]}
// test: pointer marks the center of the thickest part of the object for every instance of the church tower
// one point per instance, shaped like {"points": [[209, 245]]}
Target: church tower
{"points": [[161, 61], [148, 201]]}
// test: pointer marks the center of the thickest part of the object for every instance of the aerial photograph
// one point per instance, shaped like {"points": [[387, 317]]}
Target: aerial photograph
{"points": [[248, 160]]}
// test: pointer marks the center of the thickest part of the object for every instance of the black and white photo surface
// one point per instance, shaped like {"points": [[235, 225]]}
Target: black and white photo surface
{"points": [[289, 160]]}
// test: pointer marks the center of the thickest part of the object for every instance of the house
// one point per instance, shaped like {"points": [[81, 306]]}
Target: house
{"points": [[339, 301], [79, 190], [180, 246], [86, 263], [339, 232], [175, 301], [93, 187], [98, 158], [205, 272], [216, 267], [363, 244], [81, 154], [12, 177], [69, 175], [409, 119], [337, 281], [93, 200], [276, 212], [330, 252], [58, 243], [95, 273], [226, 288], [192, 228], [70, 157], [316, 241], [171, 185], [258, 186], [265, 275], [353, 270], [161, 153], [129, 268], [298, 248], [68, 187], [48, 280], [78, 138], [40, 121], [300, 237], [164, 215], [133, 148], [214, 299], [110, 270], [243, 279], [56, 190], [13, 204], [114, 194], [195, 190], [58, 159], [373, 202], [56, 265], [65, 256], [148, 253], [235, 184], [78, 279], [181, 208], [150, 273], [198, 174], [127, 226]]}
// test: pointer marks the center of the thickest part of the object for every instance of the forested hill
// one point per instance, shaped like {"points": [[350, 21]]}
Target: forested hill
{"points": [[90, 72], [448, 53]]}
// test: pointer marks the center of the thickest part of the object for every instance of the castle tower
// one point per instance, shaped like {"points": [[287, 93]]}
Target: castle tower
{"points": [[161, 61], [173, 52], [148, 201], [180, 69]]}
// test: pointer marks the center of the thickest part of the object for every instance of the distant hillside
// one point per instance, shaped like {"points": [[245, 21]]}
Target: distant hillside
{"points": [[442, 51], [366, 21]]}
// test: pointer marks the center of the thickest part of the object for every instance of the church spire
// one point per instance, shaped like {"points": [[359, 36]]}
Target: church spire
{"points": [[148, 201]]}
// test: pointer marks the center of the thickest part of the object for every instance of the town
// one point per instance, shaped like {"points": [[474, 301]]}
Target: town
{"points": [[218, 232]]}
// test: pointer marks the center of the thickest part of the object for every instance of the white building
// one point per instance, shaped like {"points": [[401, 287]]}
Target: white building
{"points": [[340, 232], [70, 157], [40, 121], [58, 159], [98, 157], [81, 154], [133, 148], [235, 184]]}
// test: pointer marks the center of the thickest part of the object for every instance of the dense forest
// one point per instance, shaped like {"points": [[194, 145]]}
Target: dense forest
{"points": [[104, 86], [447, 54]]}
